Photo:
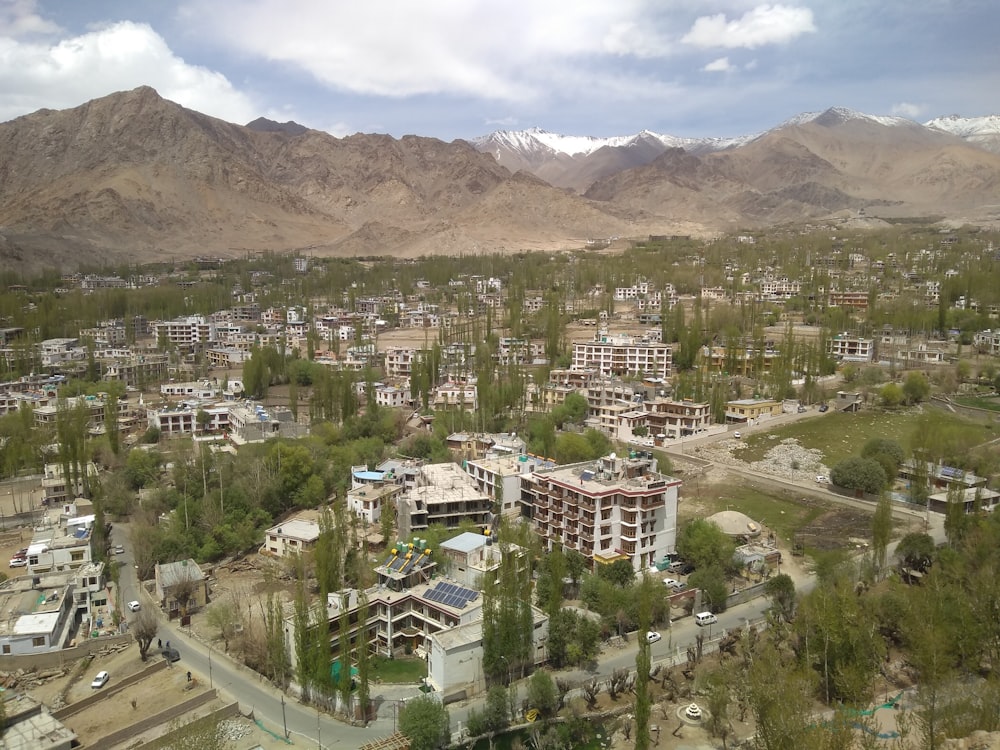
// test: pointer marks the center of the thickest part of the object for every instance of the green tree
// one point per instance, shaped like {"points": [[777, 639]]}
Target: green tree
{"points": [[915, 551], [643, 663], [916, 388], [856, 473], [424, 720], [714, 585], [891, 395], [781, 589], [704, 545], [881, 534], [542, 693]]}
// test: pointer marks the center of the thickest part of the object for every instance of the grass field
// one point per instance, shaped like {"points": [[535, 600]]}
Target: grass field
{"points": [[839, 435], [779, 513], [993, 404], [401, 671]]}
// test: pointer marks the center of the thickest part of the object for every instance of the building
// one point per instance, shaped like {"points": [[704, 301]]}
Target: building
{"points": [[186, 332], [290, 537], [42, 611], [469, 557], [752, 410], [445, 495], [622, 355], [257, 424], [30, 726], [611, 509], [666, 418], [850, 348], [499, 477], [56, 490], [369, 500], [180, 587]]}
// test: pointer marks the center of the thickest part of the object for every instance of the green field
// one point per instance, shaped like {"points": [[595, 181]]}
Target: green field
{"points": [[992, 404], [402, 671], [778, 512], [839, 435]]}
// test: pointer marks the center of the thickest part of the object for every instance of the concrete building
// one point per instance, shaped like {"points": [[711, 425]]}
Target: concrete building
{"points": [[290, 537], [369, 500], [180, 587], [614, 508], [851, 348], [445, 495], [622, 355], [751, 410], [30, 726], [676, 419], [57, 490], [43, 612], [499, 477]]}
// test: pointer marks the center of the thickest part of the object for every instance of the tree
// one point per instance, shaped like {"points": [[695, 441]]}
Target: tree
{"points": [[619, 573], [643, 663], [887, 452], [542, 693], [224, 617], [424, 720], [916, 388], [856, 473], [781, 589], [881, 534], [144, 628], [703, 544], [891, 395], [714, 585], [915, 551]]}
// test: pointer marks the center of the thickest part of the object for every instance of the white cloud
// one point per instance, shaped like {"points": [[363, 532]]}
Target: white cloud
{"points": [[19, 18], [118, 57], [765, 24], [516, 51], [905, 109], [721, 65]]}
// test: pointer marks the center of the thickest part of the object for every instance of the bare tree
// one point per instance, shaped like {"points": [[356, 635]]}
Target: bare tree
{"points": [[224, 617], [591, 689], [144, 628]]}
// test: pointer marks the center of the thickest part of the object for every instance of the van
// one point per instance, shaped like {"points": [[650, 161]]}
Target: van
{"points": [[705, 618]]}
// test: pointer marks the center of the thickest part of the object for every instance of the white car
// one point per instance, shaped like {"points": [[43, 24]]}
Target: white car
{"points": [[821, 479], [652, 636], [134, 606], [737, 435], [673, 583], [101, 680], [18, 562]]}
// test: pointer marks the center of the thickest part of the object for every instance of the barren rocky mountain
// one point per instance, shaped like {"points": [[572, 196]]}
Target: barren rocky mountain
{"points": [[132, 177]]}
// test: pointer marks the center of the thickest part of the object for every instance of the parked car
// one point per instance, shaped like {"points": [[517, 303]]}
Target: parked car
{"points": [[681, 567], [824, 407], [737, 435], [171, 654], [674, 584], [101, 680], [822, 479], [18, 562], [119, 549], [652, 636], [705, 618], [134, 606]]}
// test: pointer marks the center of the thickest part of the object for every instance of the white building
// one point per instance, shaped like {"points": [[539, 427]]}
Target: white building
{"points": [[290, 537], [622, 355]]}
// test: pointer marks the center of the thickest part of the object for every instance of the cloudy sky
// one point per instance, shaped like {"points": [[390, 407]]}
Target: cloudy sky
{"points": [[461, 68]]}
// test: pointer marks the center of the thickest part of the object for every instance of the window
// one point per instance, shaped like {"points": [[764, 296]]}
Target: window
{"points": [[76, 555], [38, 641]]}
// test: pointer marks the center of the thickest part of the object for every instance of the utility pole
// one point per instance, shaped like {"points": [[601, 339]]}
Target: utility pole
{"points": [[284, 721]]}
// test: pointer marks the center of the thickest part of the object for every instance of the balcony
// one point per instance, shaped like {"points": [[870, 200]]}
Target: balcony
{"points": [[584, 534], [629, 536]]}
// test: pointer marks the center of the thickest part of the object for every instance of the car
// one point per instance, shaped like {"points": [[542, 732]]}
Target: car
{"points": [[705, 618], [119, 549], [134, 606], [652, 636], [100, 680], [801, 410], [18, 562], [822, 479], [824, 408], [682, 567], [737, 435], [171, 654], [673, 583]]}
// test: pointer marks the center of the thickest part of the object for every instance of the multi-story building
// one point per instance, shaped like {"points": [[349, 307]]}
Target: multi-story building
{"points": [[620, 355], [850, 348], [292, 536], [137, 370], [399, 361], [62, 547], [676, 419], [368, 500], [445, 495], [499, 477], [614, 508], [186, 332], [56, 489], [750, 410]]}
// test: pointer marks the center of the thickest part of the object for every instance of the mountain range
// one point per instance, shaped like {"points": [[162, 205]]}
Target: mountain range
{"points": [[132, 177]]}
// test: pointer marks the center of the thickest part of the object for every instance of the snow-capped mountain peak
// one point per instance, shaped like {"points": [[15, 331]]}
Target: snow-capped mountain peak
{"points": [[840, 115], [966, 126]]}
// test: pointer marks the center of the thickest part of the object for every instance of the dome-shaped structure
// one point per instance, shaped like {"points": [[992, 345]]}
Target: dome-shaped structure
{"points": [[734, 523]]}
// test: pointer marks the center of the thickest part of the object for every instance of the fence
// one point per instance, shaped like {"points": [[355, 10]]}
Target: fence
{"points": [[116, 738], [60, 657], [111, 690]]}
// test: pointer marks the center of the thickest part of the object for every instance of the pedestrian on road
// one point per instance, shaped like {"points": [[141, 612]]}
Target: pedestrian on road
{"points": [[159, 643]]}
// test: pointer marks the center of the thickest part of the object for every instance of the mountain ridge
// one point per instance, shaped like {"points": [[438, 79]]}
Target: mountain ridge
{"points": [[132, 177]]}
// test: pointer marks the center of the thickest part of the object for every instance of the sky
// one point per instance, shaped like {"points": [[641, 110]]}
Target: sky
{"points": [[461, 68]]}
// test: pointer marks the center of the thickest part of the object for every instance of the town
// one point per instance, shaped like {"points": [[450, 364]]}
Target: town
{"points": [[411, 503]]}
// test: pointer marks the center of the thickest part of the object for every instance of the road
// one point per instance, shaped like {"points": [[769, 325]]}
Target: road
{"points": [[268, 704]]}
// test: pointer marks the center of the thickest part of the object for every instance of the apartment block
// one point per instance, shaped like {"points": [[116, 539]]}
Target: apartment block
{"points": [[614, 508]]}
